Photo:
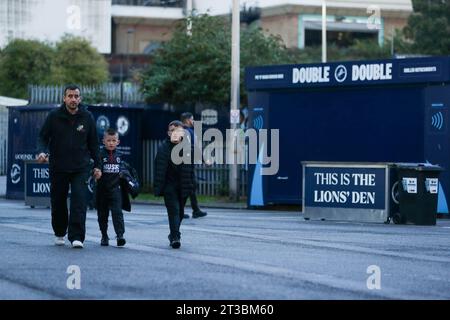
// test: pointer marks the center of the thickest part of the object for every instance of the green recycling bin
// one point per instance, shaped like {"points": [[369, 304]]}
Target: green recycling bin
{"points": [[418, 193]]}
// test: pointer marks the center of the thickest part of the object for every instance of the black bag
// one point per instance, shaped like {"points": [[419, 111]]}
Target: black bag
{"points": [[133, 187]]}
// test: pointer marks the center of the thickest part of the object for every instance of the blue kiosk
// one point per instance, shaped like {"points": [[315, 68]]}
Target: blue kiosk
{"points": [[23, 129], [359, 111]]}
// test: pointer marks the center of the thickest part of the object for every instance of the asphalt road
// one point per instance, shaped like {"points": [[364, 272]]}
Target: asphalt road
{"points": [[230, 254]]}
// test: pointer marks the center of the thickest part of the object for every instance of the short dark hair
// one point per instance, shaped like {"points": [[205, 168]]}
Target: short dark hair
{"points": [[185, 116], [71, 87], [110, 132], [176, 123]]}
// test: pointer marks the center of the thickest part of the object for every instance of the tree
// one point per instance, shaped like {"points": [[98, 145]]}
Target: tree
{"points": [[72, 60], [76, 61], [23, 62], [189, 69], [359, 50], [428, 29], [196, 67]]}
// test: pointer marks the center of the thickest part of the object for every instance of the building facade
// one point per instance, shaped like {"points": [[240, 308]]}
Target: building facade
{"points": [[49, 20], [299, 22], [128, 31]]}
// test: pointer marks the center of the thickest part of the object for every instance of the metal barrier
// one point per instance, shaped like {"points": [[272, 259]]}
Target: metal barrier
{"points": [[212, 180], [3, 140], [108, 92]]}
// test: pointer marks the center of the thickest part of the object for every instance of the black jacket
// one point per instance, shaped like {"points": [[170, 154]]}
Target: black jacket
{"points": [[187, 178], [115, 173], [129, 186], [112, 166], [70, 139]]}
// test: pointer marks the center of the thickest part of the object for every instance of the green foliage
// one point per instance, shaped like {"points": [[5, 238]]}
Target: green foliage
{"points": [[360, 50], [76, 61], [72, 60], [428, 29], [23, 62], [197, 67], [94, 97], [260, 49], [192, 68]]}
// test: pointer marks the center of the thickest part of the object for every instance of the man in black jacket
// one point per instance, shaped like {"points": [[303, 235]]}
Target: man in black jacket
{"points": [[69, 135], [174, 181], [187, 119]]}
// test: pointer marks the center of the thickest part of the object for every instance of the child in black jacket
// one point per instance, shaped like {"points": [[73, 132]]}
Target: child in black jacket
{"points": [[109, 196], [174, 181]]}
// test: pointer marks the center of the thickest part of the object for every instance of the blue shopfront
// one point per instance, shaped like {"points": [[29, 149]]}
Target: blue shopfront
{"points": [[362, 111], [24, 126]]}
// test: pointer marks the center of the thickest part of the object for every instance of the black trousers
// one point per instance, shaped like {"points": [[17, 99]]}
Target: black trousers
{"points": [[110, 200], [175, 203], [193, 198], [194, 202], [74, 224]]}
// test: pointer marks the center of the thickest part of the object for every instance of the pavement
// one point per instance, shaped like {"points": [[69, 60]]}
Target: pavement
{"points": [[217, 205], [227, 255], [220, 205]]}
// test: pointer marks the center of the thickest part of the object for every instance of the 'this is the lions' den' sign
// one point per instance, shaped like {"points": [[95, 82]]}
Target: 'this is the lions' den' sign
{"points": [[345, 191], [37, 184]]}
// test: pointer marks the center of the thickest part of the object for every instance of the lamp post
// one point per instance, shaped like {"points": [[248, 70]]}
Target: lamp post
{"points": [[129, 31], [235, 64], [324, 31], [188, 15]]}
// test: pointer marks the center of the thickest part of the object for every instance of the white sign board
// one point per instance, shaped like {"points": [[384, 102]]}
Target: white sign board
{"points": [[431, 184], [410, 185], [209, 117], [234, 117]]}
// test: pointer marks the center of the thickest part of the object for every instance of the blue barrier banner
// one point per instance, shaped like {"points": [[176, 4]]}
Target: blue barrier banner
{"points": [[37, 180], [345, 187], [353, 73]]}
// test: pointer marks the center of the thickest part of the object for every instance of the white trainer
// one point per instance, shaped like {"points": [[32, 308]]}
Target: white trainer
{"points": [[77, 244], [59, 241]]}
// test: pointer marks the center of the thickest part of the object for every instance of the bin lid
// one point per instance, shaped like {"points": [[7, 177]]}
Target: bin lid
{"points": [[418, 166]]}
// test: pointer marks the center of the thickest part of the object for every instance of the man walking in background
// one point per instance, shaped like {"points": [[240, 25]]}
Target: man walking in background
{"points": [[187, 119], [69, 134]]}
